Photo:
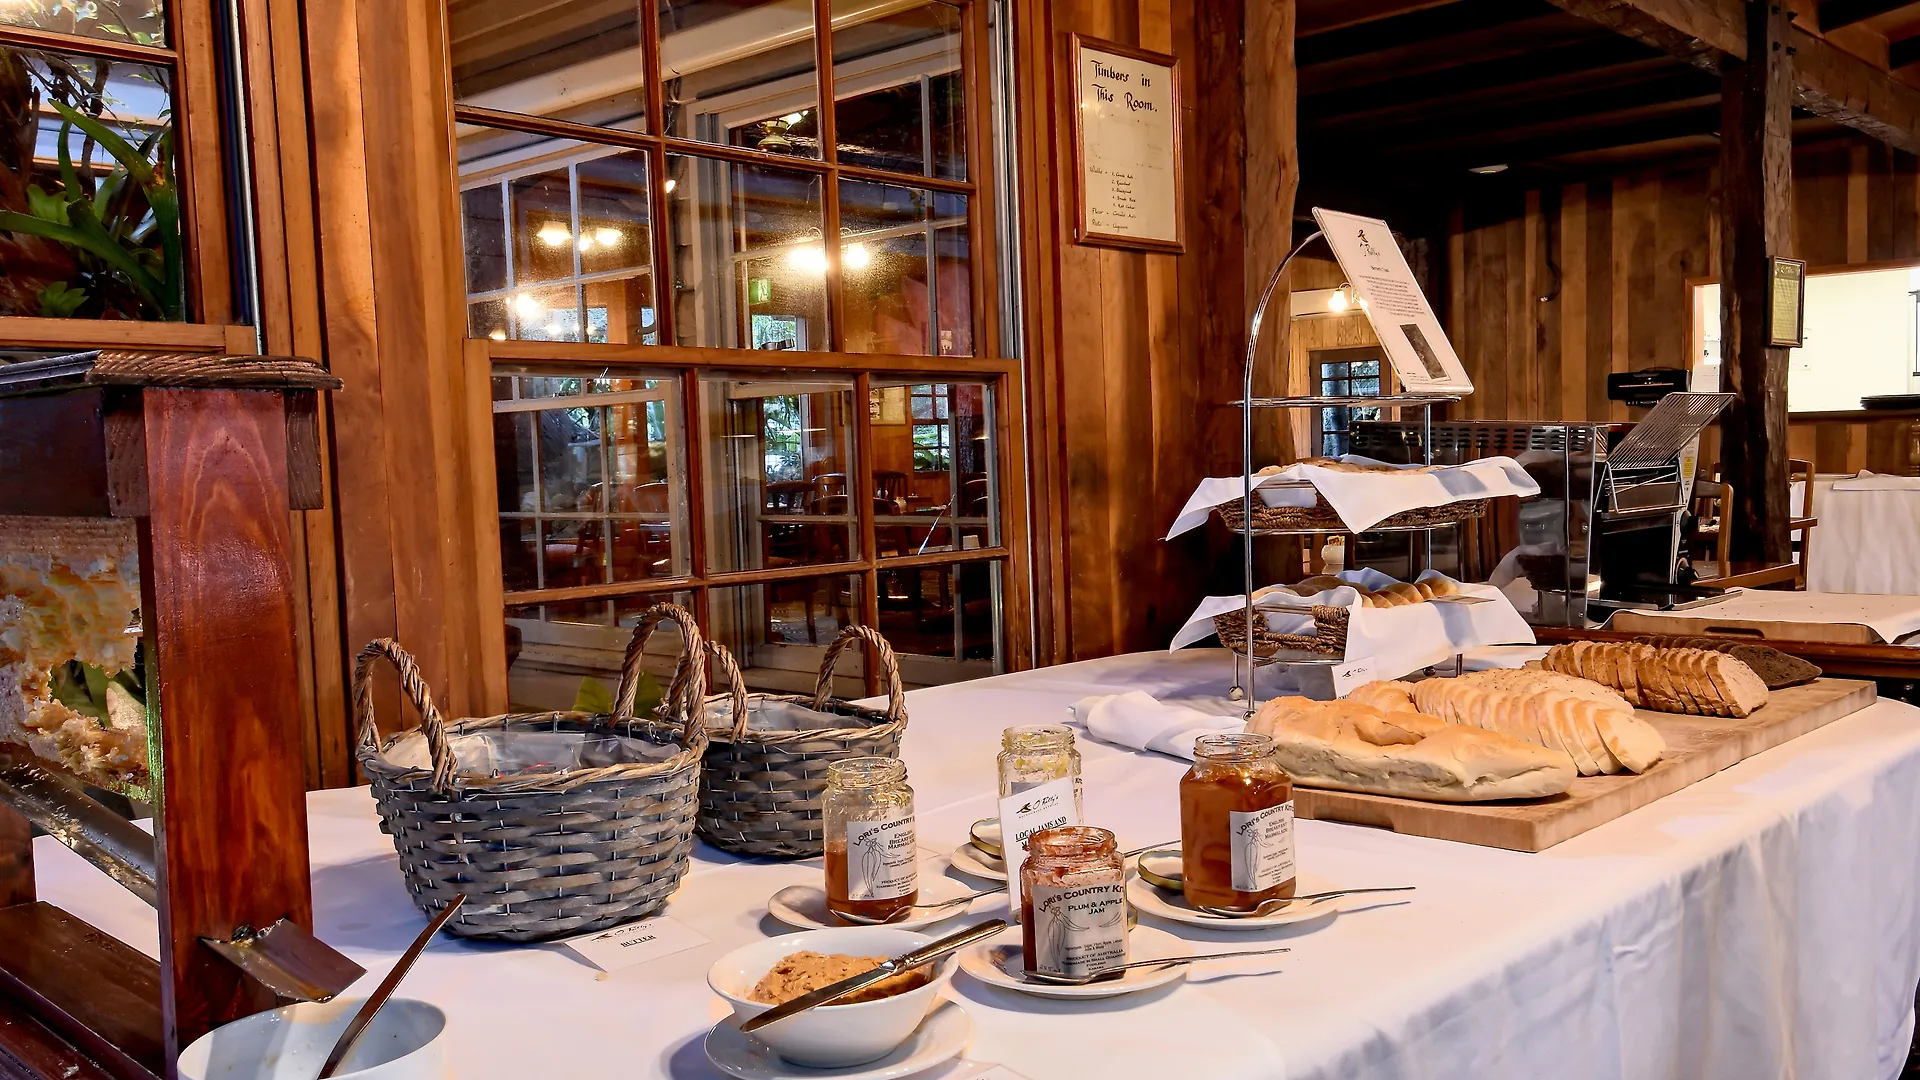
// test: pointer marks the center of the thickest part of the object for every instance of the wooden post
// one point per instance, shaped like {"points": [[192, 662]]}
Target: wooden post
{"points": [[1756, 207], [16, 859]]}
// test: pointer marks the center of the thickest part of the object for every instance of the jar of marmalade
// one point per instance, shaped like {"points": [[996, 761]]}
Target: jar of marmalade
{"points": [[1073, 902], [872, 867], [1236, 823], [1033, 754]]}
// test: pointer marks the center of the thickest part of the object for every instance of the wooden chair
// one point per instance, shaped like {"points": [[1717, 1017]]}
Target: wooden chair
{"points": [[891, 487], [1713, 504], [1801, 471]]}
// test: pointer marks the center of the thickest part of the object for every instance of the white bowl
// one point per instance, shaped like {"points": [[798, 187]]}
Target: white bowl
{"points": [[403, 1043], [831, 1036]]}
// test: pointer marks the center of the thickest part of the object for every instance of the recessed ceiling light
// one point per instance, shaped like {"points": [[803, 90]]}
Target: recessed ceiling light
{"points": [[1487, 170]]}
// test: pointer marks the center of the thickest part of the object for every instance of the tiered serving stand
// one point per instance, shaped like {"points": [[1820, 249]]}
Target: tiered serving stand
{"points": [[1243, 685]]}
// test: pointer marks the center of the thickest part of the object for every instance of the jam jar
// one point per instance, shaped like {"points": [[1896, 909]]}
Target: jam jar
{"points": [[1073, 902], [1033, 754], [1236, 823], [872, 868]]}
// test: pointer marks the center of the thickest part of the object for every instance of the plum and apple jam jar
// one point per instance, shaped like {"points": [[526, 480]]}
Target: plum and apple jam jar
{"points": [[1236, 823], [872, 868], [1073, 902]]}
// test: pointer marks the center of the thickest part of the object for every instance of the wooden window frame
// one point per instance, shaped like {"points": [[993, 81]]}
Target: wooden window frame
{"points": [[199, 158], [1002, 376]]}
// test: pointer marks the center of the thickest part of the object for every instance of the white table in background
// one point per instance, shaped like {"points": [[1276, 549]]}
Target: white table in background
{"points": [[1866, 542], [1763, 922]]}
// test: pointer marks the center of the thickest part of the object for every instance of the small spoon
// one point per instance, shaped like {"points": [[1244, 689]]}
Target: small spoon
{"points": [[1268, 907], [358, 1025], [1049, 978], [915, 910]]}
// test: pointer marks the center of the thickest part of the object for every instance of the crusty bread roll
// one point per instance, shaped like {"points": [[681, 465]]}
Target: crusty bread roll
{"points": [[1701, 682], [1388, 697], [1350, 746], [1404, 593]]}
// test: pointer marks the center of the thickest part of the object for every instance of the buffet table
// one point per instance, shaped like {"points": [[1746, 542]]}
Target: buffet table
{"points": [[1763, 922], [1866, 538]]}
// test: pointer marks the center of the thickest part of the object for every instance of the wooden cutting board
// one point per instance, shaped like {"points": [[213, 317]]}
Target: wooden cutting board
{"points": [[1697, 747], [1838, 633]]}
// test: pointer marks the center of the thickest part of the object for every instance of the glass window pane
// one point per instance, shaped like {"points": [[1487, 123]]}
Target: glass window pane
{"points": [[895, 81], [132, 268], [779, 631], [942, 620], [741, 73], [140, 22], [575, 61], [750, 268], [779, 471], [933, 467], [579, 214], [566, 654], [891, 296], [591, 486]]}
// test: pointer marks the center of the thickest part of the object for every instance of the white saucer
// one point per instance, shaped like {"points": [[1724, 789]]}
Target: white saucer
{"points": [[970, 861], [805, 906], [985, 962], [941, 1037], [1156, 902]]}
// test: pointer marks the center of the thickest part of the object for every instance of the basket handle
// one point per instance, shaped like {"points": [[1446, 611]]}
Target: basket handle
{"points": [[889, 670], [416, 689], [723, 658], [689, 677]]}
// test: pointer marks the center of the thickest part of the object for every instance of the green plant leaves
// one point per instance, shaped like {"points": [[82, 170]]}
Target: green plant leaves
{"points": [[60, 300]]}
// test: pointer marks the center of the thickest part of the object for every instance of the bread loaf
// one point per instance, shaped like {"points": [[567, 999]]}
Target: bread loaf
{"points": [[1398, 594], [1591, 724], [1350, 746], [1701, 682], [1777, 669]]}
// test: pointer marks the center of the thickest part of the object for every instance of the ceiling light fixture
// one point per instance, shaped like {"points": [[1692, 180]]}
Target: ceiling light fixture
{"points": [[1487, 170], [498, 335], [528, 308], [607, 236], [671, 184], [808, 260], [856, 256], [554, 234]]}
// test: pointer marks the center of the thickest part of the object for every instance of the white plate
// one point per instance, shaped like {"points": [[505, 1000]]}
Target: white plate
{"points": [[941, 1037], [970, 861], [1156, 902], [805, 906], [983, 962]]}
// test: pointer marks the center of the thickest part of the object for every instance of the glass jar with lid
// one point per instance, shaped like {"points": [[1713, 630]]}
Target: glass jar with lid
{"points": [[872, 866], [1073, 902], [1236, 823], [1033, 754]]}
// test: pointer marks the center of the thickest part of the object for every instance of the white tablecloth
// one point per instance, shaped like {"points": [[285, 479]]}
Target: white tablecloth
{"points": [[1866, 542], [1764, 922]]}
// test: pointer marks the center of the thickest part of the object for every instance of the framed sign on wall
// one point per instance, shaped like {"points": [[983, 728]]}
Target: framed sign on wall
{"points": [[1786, 302], [1126, 125]]}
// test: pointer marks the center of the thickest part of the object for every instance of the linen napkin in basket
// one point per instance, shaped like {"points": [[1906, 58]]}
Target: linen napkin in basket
{"points": [[1363, 499], [1140, 721]]}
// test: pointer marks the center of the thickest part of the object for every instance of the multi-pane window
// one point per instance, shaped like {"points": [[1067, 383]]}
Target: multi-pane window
{"points": [[669, 190], [90, 207], [1346, 373]]}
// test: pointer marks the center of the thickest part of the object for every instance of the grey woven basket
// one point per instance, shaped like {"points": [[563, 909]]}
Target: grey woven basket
{"points": [[764, 777], [544, 854], [1329, 637]]}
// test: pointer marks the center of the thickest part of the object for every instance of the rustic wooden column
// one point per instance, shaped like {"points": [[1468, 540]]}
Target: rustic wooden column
{"points": [[1756, 208], [16, 859]]}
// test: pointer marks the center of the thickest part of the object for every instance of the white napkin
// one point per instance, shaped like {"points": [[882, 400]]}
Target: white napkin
{"points": [[1139, 721], [1872, 481], [1363, 500]]}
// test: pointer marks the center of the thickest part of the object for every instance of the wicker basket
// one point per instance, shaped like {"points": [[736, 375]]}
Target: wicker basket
{"points": [[764, 777], [543, 854], [1321, 517], [1329, 637]]}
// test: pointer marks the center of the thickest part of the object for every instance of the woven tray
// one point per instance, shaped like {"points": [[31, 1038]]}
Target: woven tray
{"points": [[1321, 516], [545, 854], [764, 776], [1329, 637]]}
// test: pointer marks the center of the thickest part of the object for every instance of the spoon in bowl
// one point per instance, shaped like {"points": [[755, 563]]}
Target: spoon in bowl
{"points": [[914, 911], [1049, 978]]}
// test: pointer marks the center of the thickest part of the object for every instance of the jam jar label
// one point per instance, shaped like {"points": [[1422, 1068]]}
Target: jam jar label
{"points": [[880, 856], [1262, 846], [1079, 930]]}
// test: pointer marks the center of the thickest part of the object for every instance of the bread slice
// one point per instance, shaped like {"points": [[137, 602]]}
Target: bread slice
{"points": [[1743, 690], [1706, 689], [1624, 666], [1587, 722], [1631, 740], [1535, 680]]}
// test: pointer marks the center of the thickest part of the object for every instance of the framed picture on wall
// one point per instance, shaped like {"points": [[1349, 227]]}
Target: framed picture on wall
{"points": [[1786, 302], [1127, 162]]}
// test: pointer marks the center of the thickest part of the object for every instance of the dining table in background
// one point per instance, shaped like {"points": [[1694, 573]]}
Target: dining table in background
{"points": [[1868, 539], [1764, 921]]}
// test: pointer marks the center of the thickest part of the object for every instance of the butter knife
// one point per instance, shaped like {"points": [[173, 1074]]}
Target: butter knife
{"points": [[925, 954]]}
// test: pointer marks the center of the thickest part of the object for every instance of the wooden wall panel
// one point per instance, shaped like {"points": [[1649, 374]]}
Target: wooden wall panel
{"points": [[1628, 249], [1133, 356]]}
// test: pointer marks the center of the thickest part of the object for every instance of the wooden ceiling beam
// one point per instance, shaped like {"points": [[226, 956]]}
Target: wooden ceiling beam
{"points": [[1829, 81], [1573, 134], [1436, 54], [1329, 15], [1903, 52], [1835, 14]]}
